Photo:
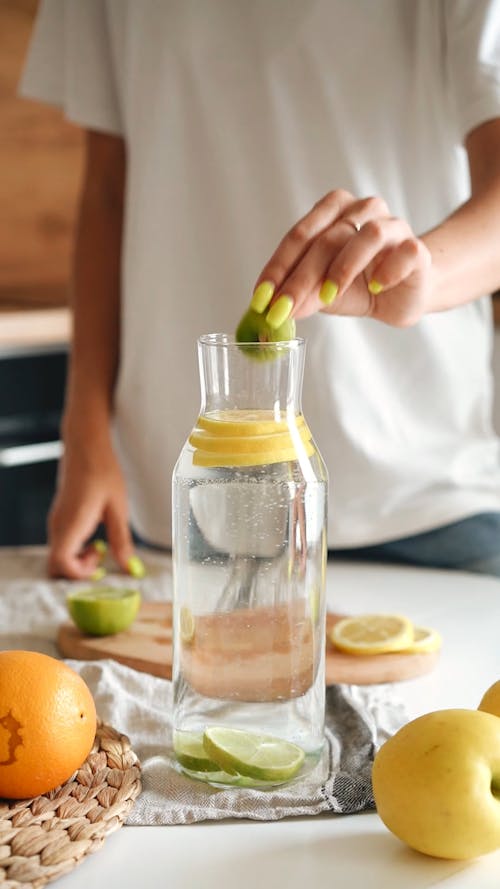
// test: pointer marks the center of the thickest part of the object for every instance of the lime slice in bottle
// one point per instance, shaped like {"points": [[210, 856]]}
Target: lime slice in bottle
{"points": [[103, 611], [262, 757], [190, 752]]}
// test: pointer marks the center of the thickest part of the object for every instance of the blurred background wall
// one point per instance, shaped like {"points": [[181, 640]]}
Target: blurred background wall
{"points": [[40, 163], [40, 167]]}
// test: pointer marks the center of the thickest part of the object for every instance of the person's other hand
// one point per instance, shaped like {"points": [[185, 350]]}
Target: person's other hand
{"points": [[347, 257], [91, 489]]}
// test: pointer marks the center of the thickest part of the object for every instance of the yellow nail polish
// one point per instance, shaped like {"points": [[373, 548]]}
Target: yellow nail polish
{"points": [[328, 292], [136, 567], [98, 574], [262, 296], [100, 547], [375, 287], [279, 312]]}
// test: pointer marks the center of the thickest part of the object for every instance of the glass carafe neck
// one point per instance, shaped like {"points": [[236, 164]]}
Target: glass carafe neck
{"points": [[250, 377]]}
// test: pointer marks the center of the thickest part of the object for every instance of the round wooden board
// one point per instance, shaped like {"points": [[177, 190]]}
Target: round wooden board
{"points": [[372, 669], [147, 647]]}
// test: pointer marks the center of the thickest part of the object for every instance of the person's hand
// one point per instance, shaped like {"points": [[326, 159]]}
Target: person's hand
{"points": [[90, 490], [347, 257]]}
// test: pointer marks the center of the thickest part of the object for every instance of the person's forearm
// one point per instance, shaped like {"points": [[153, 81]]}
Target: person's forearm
{"points": [[465, 252], [465, 247], [96, 306]]}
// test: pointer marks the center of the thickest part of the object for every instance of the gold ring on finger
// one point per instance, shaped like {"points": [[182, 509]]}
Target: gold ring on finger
{"points": [[356, 225]]}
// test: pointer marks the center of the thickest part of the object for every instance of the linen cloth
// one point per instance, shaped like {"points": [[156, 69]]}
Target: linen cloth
{"points": [[358, 719]]}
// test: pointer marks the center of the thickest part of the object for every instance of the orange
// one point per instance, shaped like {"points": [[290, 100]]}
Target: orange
{"points": [[47, 723]]}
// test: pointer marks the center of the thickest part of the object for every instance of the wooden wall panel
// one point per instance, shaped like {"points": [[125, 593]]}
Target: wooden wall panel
{"points": [[40, 168]]}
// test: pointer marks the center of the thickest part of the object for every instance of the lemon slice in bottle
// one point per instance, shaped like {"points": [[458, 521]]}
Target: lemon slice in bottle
{"points": [[262, 757], [187, 625], [103, 611], [373, 634]]}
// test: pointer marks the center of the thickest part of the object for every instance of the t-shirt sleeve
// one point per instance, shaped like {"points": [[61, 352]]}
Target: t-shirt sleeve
{"points": [[70, 63], [472, 45]]}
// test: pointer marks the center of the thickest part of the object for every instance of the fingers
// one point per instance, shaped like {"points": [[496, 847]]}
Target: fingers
{"points": [[120, 538], [68, 556], [399, 264], [294, 245], [341, 257], [292, 282], [364, 251], [69, 529], [353, 252]]}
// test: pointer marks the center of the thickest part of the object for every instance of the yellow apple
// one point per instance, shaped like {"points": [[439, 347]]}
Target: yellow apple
{"points": [[436, 783], [490, 702]]}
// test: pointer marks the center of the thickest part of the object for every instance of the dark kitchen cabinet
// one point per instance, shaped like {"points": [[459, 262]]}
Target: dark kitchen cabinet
{"points": [[32, 384]]}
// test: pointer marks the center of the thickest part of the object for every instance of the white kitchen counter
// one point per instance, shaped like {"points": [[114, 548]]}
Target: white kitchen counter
{"points": [[342, 851]]}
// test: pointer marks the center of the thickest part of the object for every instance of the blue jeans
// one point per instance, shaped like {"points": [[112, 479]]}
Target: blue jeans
{"points": [[472, 544]]}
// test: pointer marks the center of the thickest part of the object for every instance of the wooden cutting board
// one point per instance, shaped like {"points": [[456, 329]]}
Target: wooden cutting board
{"points": [[147, 646]]}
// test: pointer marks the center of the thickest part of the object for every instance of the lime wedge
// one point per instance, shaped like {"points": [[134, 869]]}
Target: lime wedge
{"points": [[263, 757], [103, 611], [190, 753]]}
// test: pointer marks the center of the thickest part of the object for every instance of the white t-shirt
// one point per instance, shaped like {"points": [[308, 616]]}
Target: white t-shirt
{"points": [[238, 116]]}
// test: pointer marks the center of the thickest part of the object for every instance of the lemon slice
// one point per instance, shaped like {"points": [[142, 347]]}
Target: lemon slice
{"points": [[372, 634], [249, 438], [241, 444], [425, 639], [246, 422], [262, 757], [190, 753], [207, 458], [187, 625], [103, 611]]}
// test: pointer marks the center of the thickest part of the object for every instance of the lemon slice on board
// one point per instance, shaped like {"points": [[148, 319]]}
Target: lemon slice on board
{"points": [[190, 753], [262, 757], [425, 639], [103, 611], [372, 634]]}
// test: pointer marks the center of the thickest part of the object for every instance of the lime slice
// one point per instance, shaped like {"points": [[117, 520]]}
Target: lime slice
{"points": [[190, 753], [263, 757], [103, 611]]}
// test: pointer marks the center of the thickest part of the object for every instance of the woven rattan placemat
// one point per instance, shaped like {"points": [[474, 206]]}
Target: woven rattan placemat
{"points": [[45, 837]]}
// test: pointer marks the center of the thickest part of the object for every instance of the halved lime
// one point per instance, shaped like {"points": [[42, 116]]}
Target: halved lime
{"points": [[263, 757], [190, 753], [103, 611]]}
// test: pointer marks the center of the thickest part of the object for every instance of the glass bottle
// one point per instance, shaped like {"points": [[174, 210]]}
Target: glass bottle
{"points": [[249, 558]]}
